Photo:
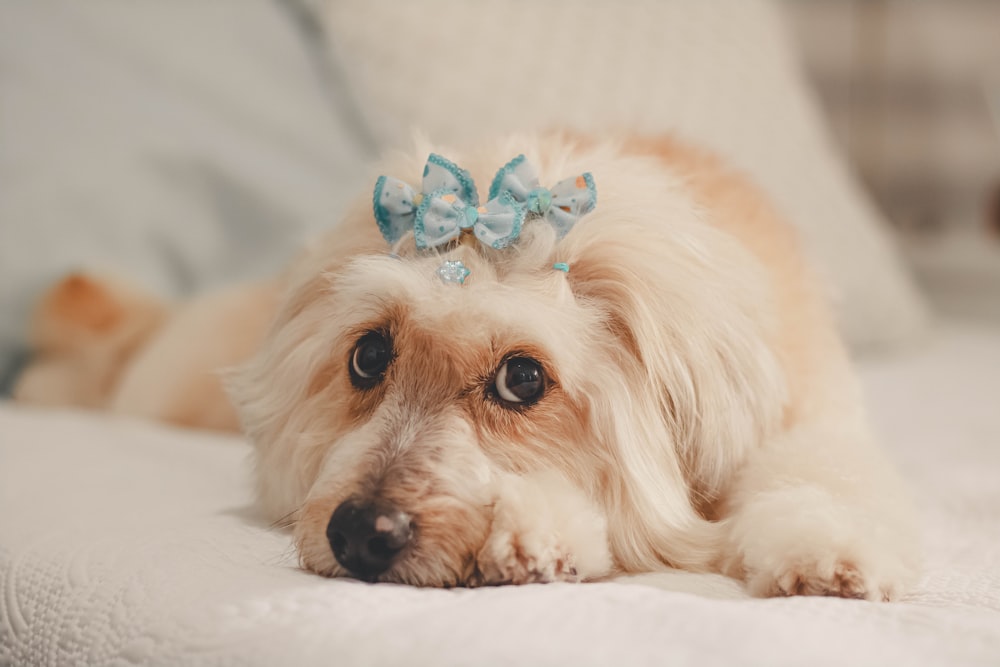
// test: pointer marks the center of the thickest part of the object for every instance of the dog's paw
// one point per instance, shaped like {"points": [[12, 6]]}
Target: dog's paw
{"points": [[544, 530], [841, 578], [801, 542], [524, 558]]}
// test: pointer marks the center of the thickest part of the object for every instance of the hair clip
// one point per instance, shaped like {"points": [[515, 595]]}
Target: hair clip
{"points": [[561, 206], [453, 272], [561, 266], [448, 205], [395, 203], [442, 217]]}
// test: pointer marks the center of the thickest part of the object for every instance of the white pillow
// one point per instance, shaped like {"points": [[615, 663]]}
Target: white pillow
{"points": [[720, 73]]}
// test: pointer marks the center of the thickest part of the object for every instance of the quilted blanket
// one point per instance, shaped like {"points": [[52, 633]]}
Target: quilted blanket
{"points": [[124, 543]]}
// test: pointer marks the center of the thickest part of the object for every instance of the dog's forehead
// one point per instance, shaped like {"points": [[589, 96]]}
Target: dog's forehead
{"points": [[486, 306], [532, 309]]}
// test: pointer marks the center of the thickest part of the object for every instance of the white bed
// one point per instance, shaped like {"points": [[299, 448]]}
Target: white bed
{"points": [[129, 543]]}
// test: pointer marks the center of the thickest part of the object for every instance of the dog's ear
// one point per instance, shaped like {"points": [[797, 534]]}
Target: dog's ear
{"points": [[696, 326], [689, 329]]}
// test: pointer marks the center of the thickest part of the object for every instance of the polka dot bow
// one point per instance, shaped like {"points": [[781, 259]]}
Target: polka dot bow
{"points": [[562, 206], [448, 205]]}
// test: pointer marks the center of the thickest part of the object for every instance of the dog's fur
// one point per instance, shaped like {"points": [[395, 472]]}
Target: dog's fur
{"points": [[701, 412]]}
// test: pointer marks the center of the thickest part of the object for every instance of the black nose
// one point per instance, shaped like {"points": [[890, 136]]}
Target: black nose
{"points": [[366, 537]]}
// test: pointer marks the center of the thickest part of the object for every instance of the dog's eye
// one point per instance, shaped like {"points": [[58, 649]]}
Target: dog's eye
{"points": [[519, 380], [371, 357]]}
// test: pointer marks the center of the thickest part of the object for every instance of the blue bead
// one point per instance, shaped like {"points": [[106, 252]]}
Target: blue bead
{"points": [[453, 272]]}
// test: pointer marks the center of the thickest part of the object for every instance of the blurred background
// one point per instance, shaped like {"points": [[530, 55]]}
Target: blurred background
{"points": [[186, 145], [912, 93]]}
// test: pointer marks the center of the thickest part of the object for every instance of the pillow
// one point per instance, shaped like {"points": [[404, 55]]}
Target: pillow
{"points": [[720, 73], [180, 145]]}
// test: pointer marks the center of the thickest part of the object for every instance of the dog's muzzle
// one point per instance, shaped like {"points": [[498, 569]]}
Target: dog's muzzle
{"points": [[366, 537]]}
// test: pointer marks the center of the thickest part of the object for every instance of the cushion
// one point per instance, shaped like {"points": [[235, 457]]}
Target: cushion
{"points": [[178, 144], [720, 73]]}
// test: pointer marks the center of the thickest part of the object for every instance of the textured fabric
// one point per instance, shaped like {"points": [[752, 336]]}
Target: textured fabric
{"points": [[179, 144], [129, 543], [720, 73]]}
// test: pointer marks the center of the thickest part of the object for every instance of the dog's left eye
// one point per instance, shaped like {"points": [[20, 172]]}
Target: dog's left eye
{"points": [[519, 381], [370, 359]]}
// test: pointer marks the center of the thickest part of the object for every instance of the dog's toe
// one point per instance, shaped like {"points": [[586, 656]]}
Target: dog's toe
{"points": [[845, 580], [510, 559]]}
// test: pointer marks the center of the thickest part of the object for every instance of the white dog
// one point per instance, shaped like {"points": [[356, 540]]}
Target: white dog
{"points": [[652, 383]]}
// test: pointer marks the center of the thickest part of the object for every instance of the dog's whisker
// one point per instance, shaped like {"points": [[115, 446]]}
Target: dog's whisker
{"points": [[285, 521]]}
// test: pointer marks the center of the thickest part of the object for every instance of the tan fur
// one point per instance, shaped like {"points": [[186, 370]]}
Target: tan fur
{"points": [[806, 341], [86, 330], [175, 377], [102, 344], [700, 412], [81, 302]]}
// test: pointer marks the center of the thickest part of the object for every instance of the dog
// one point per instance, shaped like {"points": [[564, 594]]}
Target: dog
{"points": [[656, 383]]}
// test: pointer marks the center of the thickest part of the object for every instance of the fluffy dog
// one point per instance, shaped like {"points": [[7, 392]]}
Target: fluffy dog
{"points": [[678, 398]]}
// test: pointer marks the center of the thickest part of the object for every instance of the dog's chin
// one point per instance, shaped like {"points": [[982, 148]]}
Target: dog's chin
{"points": [[410, 570]]}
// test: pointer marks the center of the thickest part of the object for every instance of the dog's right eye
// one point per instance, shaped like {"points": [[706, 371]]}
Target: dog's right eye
{"points": [[370, 359], [519, 382]]}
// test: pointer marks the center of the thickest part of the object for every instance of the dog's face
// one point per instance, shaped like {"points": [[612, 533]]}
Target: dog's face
{"points": [[388, 407], [434, 392]]}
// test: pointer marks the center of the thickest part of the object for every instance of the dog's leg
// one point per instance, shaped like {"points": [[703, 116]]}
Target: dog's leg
{"points": [[819, 511], [544, 530], [175, 377]]}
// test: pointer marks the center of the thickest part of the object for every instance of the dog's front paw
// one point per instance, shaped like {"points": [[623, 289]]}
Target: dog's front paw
{"points": [[544, 530], [524, 558], [823, 576], [802, 542]]}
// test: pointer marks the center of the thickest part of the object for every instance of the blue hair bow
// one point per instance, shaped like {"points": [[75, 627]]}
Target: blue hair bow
{"points": [[448, 204], [396, 204], [443, 216], [561, 206]]}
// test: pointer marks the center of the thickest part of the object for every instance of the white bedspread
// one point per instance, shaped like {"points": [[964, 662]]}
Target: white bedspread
{"points": [[123, 542]]}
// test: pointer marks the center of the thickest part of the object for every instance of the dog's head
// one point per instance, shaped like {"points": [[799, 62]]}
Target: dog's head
{"points": [[386, 404]]}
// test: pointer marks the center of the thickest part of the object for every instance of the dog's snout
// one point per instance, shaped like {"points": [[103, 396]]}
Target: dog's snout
{"points": [[366, 537]]}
